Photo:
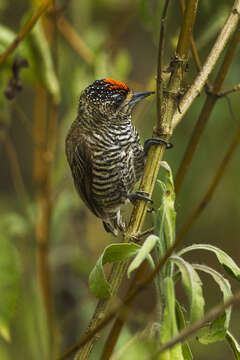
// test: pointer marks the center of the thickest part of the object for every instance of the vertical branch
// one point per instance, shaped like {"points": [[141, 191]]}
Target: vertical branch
{"points": [[45, 132], [164, 129], [42, 196], [210, 63], [206, 112], [159, 85], [193, 45]]}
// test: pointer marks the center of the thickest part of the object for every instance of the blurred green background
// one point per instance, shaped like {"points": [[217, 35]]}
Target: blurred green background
{"points": [[120, 40]]}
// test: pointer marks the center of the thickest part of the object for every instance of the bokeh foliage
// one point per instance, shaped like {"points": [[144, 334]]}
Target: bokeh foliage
{"points": [[121, 37]]}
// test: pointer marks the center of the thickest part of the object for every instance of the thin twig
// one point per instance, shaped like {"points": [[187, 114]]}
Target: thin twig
{"points": [[25, 30], [210, 316], [229, 91], [206, 112], [207, 197], [210, 63]]}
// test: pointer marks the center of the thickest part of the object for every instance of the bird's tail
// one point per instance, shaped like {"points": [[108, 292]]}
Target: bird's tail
{"points": [[113, 224]]}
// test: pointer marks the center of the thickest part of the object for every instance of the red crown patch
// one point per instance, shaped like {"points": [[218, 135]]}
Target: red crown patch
{"points": [[114, 84]]}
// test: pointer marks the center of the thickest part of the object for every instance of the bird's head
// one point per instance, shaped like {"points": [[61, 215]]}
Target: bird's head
{"points": [[109, 100]]}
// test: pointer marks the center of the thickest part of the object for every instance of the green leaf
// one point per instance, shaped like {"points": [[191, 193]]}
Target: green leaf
{"points": [[216, 331], [9, 285], [169, 327], [187, 354], [143, 253], [193, 287], [225, 260], [166, 215], [112, 253], [234, 345]]}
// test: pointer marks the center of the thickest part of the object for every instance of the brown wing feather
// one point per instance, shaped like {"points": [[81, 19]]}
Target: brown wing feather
{"points": [[82, 172]]}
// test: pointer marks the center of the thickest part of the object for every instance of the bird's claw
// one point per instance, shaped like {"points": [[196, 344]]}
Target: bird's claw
{"points": [[155, 141], [139, 195]]}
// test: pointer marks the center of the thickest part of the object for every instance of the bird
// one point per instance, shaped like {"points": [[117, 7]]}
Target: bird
{"points": [[104, 151]]}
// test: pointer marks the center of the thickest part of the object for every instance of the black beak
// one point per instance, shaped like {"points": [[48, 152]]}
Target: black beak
{"points": [[137, 96]]}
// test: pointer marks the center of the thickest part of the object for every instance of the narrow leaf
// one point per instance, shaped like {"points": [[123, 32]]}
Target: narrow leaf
{"points": [[187, 354], [112, 253], [225, 260], [168, 203], [159, 217], [235, 346], [169, 327], [166, 215], [216, 331], [143, 253], [193, 287]]}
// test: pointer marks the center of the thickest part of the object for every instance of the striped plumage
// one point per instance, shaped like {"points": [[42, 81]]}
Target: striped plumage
{"points": [[104, 151]]}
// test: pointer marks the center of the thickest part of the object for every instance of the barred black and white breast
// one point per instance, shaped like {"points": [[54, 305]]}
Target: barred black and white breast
{"points": [[104, 151]]}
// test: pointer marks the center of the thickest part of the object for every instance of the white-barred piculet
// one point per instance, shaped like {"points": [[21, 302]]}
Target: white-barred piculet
{"points": [[104, 151]]}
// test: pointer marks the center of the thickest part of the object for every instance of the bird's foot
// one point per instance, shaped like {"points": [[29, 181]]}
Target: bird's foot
{"points": [[139, 195], [155, 141]]}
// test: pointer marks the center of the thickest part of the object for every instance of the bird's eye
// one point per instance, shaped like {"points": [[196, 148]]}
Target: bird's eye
{"points": [[118, 99]]}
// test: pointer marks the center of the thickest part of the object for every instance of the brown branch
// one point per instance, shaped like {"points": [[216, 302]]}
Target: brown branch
{"points": [[152, 165], [229, 91], [25, 30], [206, 112], [159, 84], [207, 197], [194, 51], [41, 183], [45, 133], [190, 330], [210, 63], [74, 39]]}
